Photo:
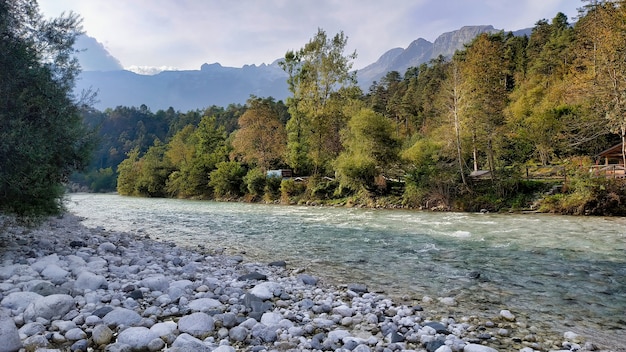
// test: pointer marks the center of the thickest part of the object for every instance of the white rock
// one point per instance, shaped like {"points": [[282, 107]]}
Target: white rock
{"points": [[338, 335], [106, 247], [55, 274], [224, 349], [190, 343], [89, 281], [156, 283], [448, 301], [138, 338], [31, 329], [121, 316], [507, 315], [49, 307], [204, 304], [265, 290], [9, 336], [164, 328], [443, 348], [19, 300], [478, 348], [343, 310], [196, 324], [271, 319], [572, 336], [44, 262]]}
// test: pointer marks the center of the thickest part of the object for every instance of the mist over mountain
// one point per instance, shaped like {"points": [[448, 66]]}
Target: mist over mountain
{"points": [[214, 84]]}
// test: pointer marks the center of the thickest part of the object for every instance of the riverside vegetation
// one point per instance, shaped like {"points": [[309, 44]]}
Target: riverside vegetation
{"points": [[502, 105]]}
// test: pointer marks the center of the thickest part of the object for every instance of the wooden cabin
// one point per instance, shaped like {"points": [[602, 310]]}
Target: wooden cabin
{"points": [[613, 166]]}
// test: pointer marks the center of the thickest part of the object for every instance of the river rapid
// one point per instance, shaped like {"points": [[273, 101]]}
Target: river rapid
{"points": [[563, 273]]}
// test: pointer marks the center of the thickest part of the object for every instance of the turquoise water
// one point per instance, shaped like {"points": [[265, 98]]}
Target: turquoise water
{"points": [[560, 271]]}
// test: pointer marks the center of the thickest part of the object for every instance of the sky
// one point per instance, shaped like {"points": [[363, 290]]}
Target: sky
{"points": [[184, 34]]}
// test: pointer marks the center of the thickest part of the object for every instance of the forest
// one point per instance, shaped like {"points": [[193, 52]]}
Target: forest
{"points": [[475, 132]]}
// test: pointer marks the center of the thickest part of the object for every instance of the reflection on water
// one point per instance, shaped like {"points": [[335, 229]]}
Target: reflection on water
{"points": [[567, 270]]}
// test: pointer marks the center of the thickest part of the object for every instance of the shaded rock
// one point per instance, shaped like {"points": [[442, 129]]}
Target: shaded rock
{"points": [[439, 328], [47, 289], [252, 276], [307, 279], [55, 274], [101, 335], [101, 312], [358, 288], [279, 263]]}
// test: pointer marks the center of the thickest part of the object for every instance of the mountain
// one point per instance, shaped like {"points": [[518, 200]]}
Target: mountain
{"points": [[418, 52], [185, 90], [214, 84]]}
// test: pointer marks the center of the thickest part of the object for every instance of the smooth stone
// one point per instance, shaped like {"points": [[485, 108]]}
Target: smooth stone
{"points": [[89, 281], [271, 319], [138, 338], [358, 288], [121, 316], [478, 348], [31, 329], [278, 263], [55, 274], [101, 312], [107, 247], [438, 327], [164, 328], [238, 333], [19, 300], [46, 288], [204, 304], [156, 283], [9, 336], [443, 348], [265, 290], [101, 335], [507, 315], [224, 348], [307, 279], [156, 345], [75, 334], [252, 276], [196, 324], [49, 307], [187, 343], [80, 345]]}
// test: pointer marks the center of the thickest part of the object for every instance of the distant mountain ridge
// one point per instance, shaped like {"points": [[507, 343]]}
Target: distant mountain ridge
{"points": [[215, 84]]}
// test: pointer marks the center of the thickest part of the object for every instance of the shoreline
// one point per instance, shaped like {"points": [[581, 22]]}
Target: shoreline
{"points": [[70, 287]]}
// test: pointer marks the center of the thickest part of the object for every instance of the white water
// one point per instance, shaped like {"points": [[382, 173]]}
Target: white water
{"points": [[568, 273]]}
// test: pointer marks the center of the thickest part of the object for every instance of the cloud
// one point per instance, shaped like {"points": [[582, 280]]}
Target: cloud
{"points": [[188, 33]]}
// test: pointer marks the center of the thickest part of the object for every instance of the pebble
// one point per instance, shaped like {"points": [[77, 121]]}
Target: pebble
{"points": [[93, 289]]}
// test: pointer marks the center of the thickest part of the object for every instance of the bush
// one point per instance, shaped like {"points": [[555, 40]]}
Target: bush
{"points": [[227, 179], [272, 188], [291, 190], [255, 181]]}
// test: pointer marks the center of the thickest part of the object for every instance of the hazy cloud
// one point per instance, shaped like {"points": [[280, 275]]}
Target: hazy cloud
{"points": [[188, 33]]}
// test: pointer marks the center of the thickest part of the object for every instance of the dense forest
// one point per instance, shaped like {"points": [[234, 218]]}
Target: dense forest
{"points": [[479, 130]]}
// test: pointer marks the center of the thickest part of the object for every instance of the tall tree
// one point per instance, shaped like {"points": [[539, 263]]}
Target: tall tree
{"points": [[42, 137], [318, 75], [261, 137]]}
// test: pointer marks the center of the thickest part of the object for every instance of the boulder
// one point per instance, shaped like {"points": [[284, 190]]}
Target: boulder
{"points": [[9, 336], [121, 316], [89, 281], [196, 324], [138, 338], [49, 307]]}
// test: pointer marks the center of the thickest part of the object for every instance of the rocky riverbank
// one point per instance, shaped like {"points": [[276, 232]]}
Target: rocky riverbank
{"points": [[66, 287]]}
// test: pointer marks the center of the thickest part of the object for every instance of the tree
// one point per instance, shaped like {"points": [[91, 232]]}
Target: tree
{"points": [[261, 137], [483, 71], [370, 150], [42, 137], [319, 74]]}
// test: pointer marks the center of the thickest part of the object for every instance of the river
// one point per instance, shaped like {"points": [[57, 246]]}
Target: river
{"points": [[561, 272]]}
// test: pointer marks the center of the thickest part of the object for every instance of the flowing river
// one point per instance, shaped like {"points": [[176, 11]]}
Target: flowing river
{"points": [[560, 272]]}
